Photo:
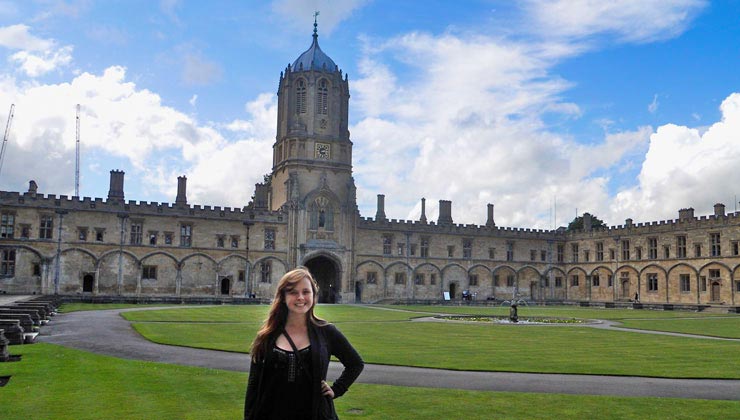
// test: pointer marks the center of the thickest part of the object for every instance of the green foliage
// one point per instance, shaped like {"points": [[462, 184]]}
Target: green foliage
{"points": [[577, 223]]}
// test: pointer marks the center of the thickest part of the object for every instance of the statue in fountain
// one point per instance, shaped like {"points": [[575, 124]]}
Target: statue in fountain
{"points": [[513, 312]]}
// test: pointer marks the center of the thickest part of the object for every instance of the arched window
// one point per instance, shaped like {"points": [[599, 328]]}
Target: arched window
{"points": [[322, 98], [300, 97]]}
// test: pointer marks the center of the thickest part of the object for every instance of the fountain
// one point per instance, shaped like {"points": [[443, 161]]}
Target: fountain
{"points": [[513, 313]]}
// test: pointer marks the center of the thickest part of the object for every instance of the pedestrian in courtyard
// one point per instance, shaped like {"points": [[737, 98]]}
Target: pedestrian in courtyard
{"points": [[290, 357]]}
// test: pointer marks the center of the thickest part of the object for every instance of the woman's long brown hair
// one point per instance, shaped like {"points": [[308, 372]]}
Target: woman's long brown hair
{"points": [[275, 321]]}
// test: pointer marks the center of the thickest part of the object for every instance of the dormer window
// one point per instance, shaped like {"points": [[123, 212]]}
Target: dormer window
{"points": [[300, 96], [322, 98]]}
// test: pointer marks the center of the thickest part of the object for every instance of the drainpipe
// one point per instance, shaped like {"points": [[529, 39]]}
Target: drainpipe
{"points": [[61, 214]]}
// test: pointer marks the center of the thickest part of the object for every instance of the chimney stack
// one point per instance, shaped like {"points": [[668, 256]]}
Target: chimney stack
{"points": [[445, 212], [380, 214], [116, 185], [587, 222], [182, 185], [490, 222], [719, 210], [686, 214], [32, 188]]}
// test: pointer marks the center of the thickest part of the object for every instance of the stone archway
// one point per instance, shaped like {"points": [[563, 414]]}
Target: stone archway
{"points": [[225, 285], [88, 283], [326, 273]]}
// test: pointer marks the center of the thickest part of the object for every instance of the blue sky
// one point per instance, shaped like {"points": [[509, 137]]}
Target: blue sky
{"points": [[625, 109]]}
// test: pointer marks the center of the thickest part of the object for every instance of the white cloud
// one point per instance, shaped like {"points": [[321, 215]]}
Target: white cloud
{"points": [[300, 12], [198, 70], [131, 125], [193, 100], [17, 37], [468, 127], [37, 56], [687, 167], [653, 106], [37, 64], [627, 20]]}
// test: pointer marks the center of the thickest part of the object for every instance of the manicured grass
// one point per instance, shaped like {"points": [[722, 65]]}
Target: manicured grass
{"points": [[398, 403], [54, 382], [560, 311], [73, 307], [258, 313], [717, 327], [551, 349]]}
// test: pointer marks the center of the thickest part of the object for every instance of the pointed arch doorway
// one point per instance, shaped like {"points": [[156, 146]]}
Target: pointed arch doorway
{"points": [[326, 273]]}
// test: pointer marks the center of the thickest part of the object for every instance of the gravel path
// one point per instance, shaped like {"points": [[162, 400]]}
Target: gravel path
{"points": [[106, 332]]}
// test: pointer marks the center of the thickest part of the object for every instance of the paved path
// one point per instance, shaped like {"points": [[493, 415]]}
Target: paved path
{"points": [[106, 332]]}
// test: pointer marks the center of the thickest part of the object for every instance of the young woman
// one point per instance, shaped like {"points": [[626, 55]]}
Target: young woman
{"points": [[290, 357]]}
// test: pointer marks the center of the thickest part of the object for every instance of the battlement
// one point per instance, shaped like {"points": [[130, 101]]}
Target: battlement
{"points": [[686, 222], [454, 229], [64, 202]]}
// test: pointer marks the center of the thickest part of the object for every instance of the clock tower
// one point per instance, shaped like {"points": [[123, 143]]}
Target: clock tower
{"points": [[312, 139], [311, 178]]}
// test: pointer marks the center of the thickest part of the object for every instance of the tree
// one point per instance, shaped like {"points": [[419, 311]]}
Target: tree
{"points": [[577, 223]]}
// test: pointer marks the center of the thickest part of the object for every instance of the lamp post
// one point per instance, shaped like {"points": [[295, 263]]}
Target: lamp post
{"points": [[248, 289]]}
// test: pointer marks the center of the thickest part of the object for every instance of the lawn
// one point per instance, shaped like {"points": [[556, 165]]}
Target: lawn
{"points": [[560, 312], [54, 382], [716, 327], [390, 337]]}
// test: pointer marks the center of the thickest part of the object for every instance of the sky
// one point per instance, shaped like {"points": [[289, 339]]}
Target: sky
{"points": [[546, 109]]}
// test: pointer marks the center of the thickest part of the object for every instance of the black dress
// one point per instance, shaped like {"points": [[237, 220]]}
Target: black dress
{"points": [[288, 385], [326, 341]]}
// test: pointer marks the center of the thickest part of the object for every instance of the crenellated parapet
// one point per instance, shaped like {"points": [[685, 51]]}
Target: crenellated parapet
{"points": [[433, 228], [143, 208], [686, 222]]}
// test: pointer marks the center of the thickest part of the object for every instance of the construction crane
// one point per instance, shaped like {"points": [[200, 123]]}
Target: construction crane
{"points": [[77, 155], [7, 134]]}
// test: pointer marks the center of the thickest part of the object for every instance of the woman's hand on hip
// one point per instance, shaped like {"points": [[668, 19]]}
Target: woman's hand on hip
{"points": [[326, 390]]}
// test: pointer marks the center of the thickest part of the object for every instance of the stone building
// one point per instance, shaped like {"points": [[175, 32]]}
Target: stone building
{"points": [[305, 213]]}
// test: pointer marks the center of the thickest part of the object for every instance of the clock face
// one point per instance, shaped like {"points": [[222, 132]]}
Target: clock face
{"points": [[323, 151]]}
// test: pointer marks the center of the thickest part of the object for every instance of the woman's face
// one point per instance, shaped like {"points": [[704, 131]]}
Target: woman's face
{"points": [[299, 297]]}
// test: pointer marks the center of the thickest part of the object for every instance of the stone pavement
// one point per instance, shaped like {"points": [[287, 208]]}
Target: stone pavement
{"points": [[106, 332]]}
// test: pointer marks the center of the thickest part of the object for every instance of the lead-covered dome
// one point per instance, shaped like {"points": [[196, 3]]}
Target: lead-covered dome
{"points": [[314, 58]]}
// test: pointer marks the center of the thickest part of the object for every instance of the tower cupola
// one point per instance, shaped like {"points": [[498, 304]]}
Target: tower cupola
{"points": [[313, 58]]}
